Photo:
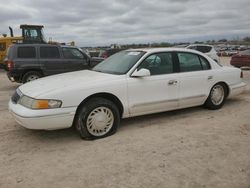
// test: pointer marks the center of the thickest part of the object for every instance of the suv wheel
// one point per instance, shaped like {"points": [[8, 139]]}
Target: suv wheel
{"points": [[30, 76]]}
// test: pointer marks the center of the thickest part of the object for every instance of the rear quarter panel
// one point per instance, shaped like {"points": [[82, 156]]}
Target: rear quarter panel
{"points": [[228, 75]]}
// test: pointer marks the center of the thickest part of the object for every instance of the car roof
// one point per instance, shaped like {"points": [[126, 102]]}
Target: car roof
{"points": [[154, 50], [46, 44]]}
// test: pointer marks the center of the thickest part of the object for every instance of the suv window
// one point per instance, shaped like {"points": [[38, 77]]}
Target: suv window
{"points": [[72, 53], [189, 62], [26, 52], [49, 52], [161, 63], [2, 46]]}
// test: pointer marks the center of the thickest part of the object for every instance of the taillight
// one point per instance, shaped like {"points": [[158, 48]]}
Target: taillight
{"points": [[9, 65], [241, 74]]}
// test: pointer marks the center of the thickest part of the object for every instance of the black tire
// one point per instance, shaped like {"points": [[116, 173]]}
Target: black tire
{"points": [[31, 75], [84, 115], [210, 103]]}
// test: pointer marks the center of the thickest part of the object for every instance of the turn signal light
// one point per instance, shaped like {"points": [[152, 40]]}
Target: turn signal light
{"points": [[41, 104]]}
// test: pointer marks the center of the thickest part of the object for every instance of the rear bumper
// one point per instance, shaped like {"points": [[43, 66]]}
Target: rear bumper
{"points": [[237, 89], [50, 119]]}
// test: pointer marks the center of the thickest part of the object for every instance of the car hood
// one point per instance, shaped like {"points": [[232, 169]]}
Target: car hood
{"points": [[48, 84]]}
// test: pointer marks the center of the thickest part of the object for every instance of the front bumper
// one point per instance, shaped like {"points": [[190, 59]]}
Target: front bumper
{"points": [[237, 89], [48, 119]]}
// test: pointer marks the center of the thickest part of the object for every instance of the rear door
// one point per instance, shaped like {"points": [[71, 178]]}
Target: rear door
{"points": [[50, 60], [74, 59], [195, 78]]}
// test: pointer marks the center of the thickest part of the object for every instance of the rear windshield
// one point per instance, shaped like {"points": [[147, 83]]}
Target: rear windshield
{"points": [[203, 49]]}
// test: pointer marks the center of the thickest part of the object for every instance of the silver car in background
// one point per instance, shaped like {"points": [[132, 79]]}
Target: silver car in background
{"points": [[209, 50]]}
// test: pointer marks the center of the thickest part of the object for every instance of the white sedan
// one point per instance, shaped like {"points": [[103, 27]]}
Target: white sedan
{"points": [[129, 83]]}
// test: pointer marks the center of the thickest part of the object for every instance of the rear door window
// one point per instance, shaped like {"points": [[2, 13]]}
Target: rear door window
{"points": [[26, 52], [189, 62], [205, 64], [49, 53]]}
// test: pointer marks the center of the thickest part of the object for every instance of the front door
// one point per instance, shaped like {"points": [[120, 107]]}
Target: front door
{"points": [[74, 59], [157, 92]]}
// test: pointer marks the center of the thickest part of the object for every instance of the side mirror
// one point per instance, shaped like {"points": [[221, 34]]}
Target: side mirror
{"points": [[141, 73]]}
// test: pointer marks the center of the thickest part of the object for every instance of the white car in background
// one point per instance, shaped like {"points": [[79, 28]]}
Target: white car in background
{"points": [[129, 83], [206, 49]]}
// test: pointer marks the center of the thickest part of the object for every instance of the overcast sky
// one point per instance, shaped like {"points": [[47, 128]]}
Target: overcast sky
{"points": [[103, 22]]}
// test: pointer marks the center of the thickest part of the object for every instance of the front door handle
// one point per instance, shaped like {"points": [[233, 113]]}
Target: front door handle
{"points": [[172, 82]]}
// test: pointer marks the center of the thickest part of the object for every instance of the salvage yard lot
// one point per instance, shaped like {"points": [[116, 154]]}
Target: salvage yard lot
{"points": [[193, 147]]}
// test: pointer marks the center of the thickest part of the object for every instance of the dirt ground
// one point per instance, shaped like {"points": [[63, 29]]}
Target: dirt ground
{"points": [[193, 147]]}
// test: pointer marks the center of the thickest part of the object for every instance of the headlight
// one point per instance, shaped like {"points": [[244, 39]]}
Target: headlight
{"points": [[39, 103]]}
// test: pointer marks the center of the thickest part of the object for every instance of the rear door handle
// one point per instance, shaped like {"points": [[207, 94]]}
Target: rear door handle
{"points": [[172, 82], [210, 77]]}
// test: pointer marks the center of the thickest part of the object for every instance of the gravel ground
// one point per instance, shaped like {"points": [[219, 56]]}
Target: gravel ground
{"points": [[193, 147]]}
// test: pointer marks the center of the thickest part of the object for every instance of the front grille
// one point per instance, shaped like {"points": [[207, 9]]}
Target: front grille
{"points": [[15, 97]]}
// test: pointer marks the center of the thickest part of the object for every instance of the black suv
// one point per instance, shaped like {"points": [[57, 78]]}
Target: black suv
{"points": [[27, 62]]}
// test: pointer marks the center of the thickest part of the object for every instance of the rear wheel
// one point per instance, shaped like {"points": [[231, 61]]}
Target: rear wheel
{"points": [[30, 76], [97, 118], [217, 96]]}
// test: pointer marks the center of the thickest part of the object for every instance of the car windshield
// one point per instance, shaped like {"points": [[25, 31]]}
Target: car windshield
{"points": [[119, 63]]}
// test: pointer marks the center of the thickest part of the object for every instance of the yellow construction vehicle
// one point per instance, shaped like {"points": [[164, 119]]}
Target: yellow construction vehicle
{"points": [[5, 42]]}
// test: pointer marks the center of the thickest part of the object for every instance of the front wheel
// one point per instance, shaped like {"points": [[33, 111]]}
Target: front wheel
{"points": [[217, 96], [97, 118]]}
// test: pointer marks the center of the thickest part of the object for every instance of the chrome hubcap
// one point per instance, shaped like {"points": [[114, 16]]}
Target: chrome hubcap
{"points": [[100, 121], [217, 95], [32, 77]]}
